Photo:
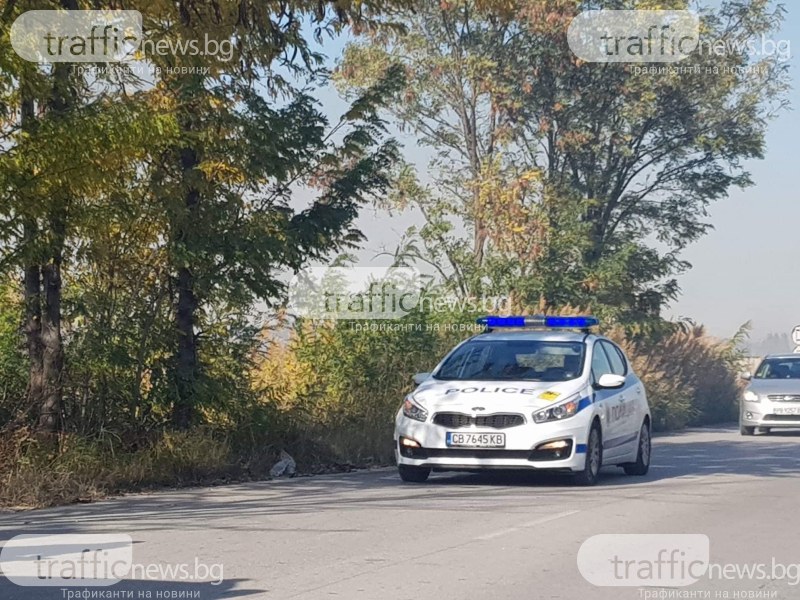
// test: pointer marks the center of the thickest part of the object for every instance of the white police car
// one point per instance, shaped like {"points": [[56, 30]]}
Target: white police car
{"points": [[528, 393]]}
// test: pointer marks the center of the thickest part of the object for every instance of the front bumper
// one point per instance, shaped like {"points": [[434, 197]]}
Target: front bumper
{"points": [[519, 452], [762, 414]]}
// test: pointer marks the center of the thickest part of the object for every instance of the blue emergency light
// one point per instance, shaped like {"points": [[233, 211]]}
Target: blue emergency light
{"points": [[539, 321]]}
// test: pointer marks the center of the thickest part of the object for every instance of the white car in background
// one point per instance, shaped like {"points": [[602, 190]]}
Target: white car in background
{"points": [[529, 393], [772, 398]]}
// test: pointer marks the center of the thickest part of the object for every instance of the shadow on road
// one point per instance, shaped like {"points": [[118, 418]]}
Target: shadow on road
{"points": [[774, 455]]}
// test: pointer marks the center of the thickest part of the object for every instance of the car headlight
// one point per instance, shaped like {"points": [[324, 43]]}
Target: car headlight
{"points": [[750, 396], [413, 410], [559, 412]]}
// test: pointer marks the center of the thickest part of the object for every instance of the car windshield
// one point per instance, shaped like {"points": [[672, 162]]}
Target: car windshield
{"points": [[779, 368], [514, 360]]}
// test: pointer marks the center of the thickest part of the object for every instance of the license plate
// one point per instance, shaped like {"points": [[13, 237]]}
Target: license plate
{"points": [[787, 410], [476, 440]]}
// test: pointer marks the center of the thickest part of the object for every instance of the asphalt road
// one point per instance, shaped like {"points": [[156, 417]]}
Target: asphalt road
{"points": [[501, 536]]}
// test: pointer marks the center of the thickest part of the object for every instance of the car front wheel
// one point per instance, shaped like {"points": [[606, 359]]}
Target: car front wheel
{"points": [[594, 459], [745, 430], [642, 464]]}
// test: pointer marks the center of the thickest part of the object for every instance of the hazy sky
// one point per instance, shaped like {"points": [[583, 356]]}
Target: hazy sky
{"points": [[747, 269]]}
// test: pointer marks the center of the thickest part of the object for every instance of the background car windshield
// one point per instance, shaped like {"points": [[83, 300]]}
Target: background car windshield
{"points": [[514, 360], [779, 368]]}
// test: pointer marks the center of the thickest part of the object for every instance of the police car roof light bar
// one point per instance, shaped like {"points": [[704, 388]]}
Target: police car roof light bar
{"points": [[541, 321]]}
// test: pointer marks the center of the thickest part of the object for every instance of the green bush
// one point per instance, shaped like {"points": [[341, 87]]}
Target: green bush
{"points": [[335, 387], [13, 369]]}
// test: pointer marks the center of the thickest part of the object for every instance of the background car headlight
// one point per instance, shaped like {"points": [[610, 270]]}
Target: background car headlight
{"points": [[751, 396], [413, 410], [561, 411]]}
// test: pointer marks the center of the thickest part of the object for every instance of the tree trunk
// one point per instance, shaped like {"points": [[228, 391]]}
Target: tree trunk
{"points": [[186, 311], [597, 223], [479, 239], [32, 281], [187, 351], [53, 358], [33, 326], [50, 412]]}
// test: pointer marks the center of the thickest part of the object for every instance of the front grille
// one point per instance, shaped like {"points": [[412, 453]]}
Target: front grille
{"points": [[496, 421], [784, 397], [477, 453], [794, 418]]}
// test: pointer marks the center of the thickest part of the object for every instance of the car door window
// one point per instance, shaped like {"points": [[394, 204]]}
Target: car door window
{"points": [[600, 364], [618, 365]]}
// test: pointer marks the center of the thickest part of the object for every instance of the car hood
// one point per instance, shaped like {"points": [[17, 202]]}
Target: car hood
{"points": [[775, 386], [489, 397]]}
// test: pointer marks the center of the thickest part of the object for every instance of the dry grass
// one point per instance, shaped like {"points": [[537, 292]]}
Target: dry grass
{"points": [[691, 379], [36, 473]]}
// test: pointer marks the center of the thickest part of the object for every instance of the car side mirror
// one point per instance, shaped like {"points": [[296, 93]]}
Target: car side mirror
{"points": [[609, 381], [747, 375], [420, 377]]}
